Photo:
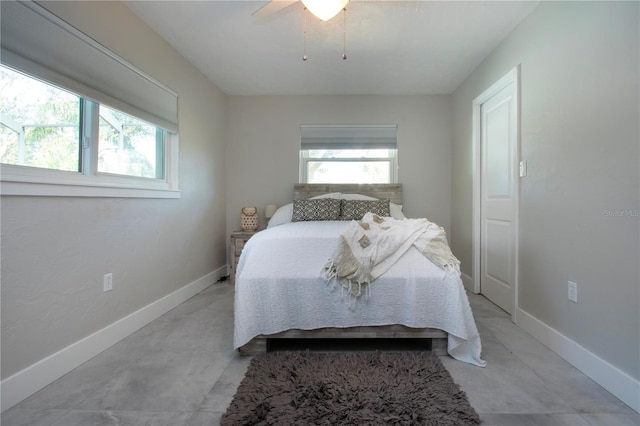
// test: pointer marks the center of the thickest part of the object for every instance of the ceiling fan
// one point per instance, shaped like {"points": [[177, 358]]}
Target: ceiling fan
{"points": [[322, 9]]}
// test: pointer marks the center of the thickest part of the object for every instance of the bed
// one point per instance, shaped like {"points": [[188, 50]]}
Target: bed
{"points": [[281, 294]]}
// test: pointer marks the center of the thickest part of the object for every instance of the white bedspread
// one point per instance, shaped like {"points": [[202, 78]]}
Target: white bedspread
{"points": [[279, 287]]}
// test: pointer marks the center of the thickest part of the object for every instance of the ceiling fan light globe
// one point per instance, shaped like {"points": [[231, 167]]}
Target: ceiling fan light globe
{"points": [[325, 9]]}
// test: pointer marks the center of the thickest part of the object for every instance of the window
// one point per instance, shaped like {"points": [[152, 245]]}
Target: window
{"points": [[348, 154], [76, 119], [348, 165], [40, 123], [43, 126], [128, 146]]}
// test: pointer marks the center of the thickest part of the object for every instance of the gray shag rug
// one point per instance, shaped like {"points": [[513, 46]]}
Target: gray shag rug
{"points": [[365, 388]]}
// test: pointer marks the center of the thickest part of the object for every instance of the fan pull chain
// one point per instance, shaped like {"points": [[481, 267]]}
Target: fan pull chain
{"points": [[304, 53], [344, 34]]}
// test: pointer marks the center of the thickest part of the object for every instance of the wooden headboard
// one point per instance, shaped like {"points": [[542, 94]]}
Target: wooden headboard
{"points": [[392, 191]]}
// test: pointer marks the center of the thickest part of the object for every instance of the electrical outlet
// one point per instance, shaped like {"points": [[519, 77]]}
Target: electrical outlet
{"points": [[573, 291], [107, 282]]}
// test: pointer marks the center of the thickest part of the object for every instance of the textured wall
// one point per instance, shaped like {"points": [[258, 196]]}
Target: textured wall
{"points": [[263, 144], [55, 250], [579, 134]]}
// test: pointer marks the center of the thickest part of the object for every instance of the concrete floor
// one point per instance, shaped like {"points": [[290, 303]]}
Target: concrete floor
{"points": [[181, 370]]}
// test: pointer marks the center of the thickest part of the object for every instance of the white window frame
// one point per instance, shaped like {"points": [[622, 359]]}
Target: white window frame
{"points": [[91, 71]]}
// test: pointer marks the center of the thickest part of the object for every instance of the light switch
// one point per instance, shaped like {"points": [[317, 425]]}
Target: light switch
{"points": [[523, 168]]}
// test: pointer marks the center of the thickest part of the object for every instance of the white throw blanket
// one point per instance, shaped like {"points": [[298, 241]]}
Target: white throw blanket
{"points": [[369, 247]]}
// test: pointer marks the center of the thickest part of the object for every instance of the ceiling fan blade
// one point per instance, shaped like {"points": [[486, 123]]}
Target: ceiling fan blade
{"points": [[271, 7]]}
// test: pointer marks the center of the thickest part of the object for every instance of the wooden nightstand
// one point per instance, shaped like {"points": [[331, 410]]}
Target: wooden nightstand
{"points": [[238, 240]]}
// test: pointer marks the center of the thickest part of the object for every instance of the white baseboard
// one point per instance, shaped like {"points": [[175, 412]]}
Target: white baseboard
{"points": [[467, 281], [614, 380], [17, 387]]}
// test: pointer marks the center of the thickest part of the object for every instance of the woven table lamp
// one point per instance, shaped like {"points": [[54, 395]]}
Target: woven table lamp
{"points": [[249, 218]]}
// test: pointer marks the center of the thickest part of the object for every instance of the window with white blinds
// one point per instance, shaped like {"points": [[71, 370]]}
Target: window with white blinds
{"points": [[124, 122], [348, 153]]}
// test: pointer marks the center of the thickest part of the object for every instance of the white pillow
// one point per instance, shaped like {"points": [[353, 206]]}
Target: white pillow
{"points": [[329, 195], [396, 211], [357, 197], [282, 215]]}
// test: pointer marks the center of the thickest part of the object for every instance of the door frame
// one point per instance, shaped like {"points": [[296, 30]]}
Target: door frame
{"points": [[512, 76]]}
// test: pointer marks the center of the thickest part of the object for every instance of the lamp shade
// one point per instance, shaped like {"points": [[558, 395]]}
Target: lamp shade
{"points": [[325, 9], [269, 210]]}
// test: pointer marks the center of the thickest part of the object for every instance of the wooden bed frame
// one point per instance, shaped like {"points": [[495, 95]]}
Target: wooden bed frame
{"points": [[438, 337]]}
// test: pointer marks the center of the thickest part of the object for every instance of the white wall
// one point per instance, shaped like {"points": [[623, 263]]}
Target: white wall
{"points": [[55, 250], [579, 134], [263, 143]]}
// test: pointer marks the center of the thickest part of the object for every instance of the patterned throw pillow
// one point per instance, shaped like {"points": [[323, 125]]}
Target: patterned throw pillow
{"points": [[356, 209], [319, 209]]}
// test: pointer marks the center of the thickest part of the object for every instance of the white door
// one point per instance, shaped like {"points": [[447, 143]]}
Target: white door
{"points": [[498, 197]]}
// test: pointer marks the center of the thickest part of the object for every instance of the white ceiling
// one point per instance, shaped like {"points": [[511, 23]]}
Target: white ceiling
{"points": [[393, 47]]}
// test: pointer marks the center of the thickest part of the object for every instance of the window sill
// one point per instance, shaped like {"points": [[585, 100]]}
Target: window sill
{"points": [[25, 181], [58, 190]]}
